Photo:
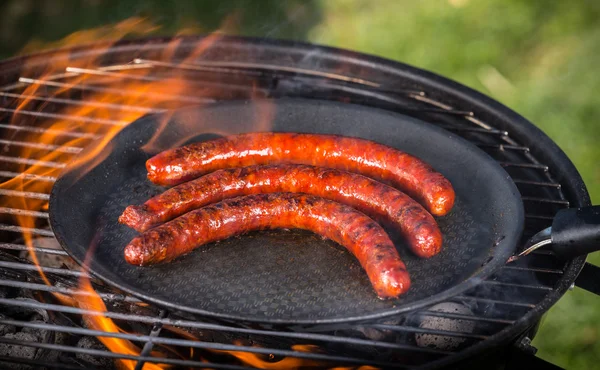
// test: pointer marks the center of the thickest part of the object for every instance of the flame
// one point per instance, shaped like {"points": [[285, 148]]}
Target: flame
{"points": [[255, 360], [117, 96], [92, 301], [116, 100]]}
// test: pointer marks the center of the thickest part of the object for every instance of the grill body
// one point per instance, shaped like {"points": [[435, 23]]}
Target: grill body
{"points": [[504, 309]]}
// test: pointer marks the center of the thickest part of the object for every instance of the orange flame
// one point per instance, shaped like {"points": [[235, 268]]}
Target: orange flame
{"points": [[255, 360], [92, 301], [115, 97]]}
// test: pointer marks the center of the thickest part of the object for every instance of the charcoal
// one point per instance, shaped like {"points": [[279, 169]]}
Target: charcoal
{"points": [[17, 366], [444, 342], [11, 350], [20, 312], [7, 329], [9, 274], [42, 335], [53, 356], [97, 361], [38, 334], [379, 334]]}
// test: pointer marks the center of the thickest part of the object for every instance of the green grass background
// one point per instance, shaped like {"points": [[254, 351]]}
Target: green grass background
{"points": [[539, 57]]}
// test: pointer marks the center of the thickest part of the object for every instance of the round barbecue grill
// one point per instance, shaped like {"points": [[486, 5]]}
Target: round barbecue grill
{"points": [[497, 317]]}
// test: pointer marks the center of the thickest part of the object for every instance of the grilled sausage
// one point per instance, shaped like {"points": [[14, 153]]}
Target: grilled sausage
{"points": [[406, 172], [362, 236], [373, 198]]}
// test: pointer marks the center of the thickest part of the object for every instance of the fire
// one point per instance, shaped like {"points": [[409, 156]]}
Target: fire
{"points": [[99, 101], [253, 359], [92, 301], [115, 99]]}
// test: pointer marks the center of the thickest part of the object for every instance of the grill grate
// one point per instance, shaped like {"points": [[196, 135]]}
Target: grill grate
{"points": [[494, 307]]}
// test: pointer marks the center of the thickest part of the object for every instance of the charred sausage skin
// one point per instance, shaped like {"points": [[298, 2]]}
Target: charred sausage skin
{"points": [[402, 170], [377, 200], [362, 236]]}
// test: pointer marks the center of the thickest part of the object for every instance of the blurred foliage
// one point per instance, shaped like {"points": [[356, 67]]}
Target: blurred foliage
{"points": [[538, 57], [40, 21]]}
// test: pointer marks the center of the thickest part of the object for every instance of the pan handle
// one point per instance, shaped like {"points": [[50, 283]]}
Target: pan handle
{"points": [[575, 232]]}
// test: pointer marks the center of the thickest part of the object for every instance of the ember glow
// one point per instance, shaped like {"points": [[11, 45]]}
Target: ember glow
{"points": [[95, 102]]}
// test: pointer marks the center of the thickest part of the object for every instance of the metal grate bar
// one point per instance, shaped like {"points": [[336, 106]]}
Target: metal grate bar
{"points": [[52, 270], [380, 94], [156, 329], [546, 200], [32, 162], [433, 102], [537, 183], [503, 147], [543, 252], [40, 130], [125, 67], [86, 103], [56, 148], [38, 364], [59, 76], [101, 353], [478, 130], [495, 301], [383, 93], [21, 230], [198, 68], [454, 112], [538, 217], [109, 297], [480, 123], [205, 326], [525, 165], [451, 315], [98, 72], [227, 66], [23, 212], [534, 269], [21, 247], [108, 90], [526, 286], [65, 117], [27, 176], [470, 117], [24, 194], [177, 342], [412, 329], [460, 113]]}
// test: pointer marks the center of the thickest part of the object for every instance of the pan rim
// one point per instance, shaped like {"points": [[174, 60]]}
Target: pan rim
{"points": [[478, 275]]}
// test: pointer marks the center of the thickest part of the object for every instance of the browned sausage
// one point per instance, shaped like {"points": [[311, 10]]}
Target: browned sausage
{"points": [[362, 236], [373, 198], [408, 173]]}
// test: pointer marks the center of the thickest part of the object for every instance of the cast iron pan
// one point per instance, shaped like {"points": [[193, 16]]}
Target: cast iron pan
{"points": [[285, 277]]}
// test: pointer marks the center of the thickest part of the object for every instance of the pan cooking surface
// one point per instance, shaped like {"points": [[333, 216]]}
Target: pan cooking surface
{"points": [[286, 276]]}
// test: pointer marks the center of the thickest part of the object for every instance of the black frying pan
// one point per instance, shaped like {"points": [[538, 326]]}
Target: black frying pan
{"points": [[285, 277]]}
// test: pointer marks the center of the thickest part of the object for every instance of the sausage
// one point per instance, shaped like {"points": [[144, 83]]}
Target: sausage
{"points": [[355, 231], [404, 171], [377, 200]]}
